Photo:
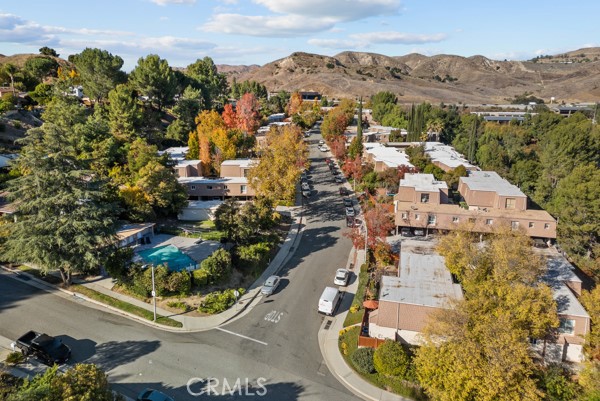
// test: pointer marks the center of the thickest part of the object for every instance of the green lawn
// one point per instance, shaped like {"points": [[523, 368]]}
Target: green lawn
{"points": [[348, 343], [356, 317], [124, 306], [203, 229]]}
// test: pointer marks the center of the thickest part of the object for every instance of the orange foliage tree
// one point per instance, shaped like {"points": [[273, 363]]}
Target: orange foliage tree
{"points": [[247, 113]]}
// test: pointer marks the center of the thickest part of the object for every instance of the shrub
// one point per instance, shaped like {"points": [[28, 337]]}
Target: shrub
{"points": [[218, 301], [178, 305], [200, 277], [362, 359], [179, 283], [249, 257], [14, 358], [218, 265], [140, 281], [390, 359]]}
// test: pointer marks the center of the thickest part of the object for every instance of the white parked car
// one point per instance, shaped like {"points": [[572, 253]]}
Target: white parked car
{"points": [[305, 186], [349, 211], [341, 277]]}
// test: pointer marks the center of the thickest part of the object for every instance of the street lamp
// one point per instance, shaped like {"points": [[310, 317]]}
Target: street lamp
{"points": [[153, 291], [153, 288]]}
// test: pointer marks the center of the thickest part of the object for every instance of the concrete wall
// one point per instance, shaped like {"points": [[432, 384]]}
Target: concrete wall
{"points": [[232, 171], [189, 171]]}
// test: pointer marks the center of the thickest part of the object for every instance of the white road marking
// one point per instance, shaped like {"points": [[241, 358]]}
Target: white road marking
{"points": [[273, 316], [243, 336]]}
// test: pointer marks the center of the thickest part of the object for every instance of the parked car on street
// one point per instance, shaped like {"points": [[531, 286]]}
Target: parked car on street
{"points": [[46, 348], [270, 285], [306, 194], [153, 395], [305, 186], [343, 191], [338, 179], [419, 232], [347, 202], [341, 277], [349, 211]]}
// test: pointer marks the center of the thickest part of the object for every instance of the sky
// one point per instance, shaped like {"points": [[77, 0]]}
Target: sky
{"points": [[244, 32]]}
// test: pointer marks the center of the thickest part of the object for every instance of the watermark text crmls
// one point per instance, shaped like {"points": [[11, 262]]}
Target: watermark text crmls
{"points": [[198, 386]]}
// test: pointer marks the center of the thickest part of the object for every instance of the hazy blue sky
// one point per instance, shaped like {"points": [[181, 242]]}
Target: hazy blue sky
{"points": [[260, 31]]}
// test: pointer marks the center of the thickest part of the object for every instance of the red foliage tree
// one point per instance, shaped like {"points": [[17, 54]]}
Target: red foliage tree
{"points": [[247, 113], [338, 148], [229, 117]]}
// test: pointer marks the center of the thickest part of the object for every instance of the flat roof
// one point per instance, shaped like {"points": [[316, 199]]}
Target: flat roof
{"points": [[239, 162], [183, 163], [447, 155], [390, 156], [205, 180], [128, 230], [567, 303], [422, 182], [423, 280], [176, 153], [490, 181]]}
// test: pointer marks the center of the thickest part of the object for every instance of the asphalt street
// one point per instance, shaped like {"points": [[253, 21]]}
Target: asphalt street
{"points": [[272, 352]]}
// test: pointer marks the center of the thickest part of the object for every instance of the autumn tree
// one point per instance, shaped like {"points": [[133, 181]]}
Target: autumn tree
{"points": [[229, 116], [294, 104], [484, 338], [279, 168], [247, 115]]}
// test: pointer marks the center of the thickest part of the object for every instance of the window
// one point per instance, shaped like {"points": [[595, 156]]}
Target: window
{"points": [[455, 219], [531, 225], [209, 187], [193, 187], [510, 203], [546, 226], [245, 173], [404, 215], [417, 217], [567, 326], [489, 222], [514, 225], [424, 198], [243, 189], [431, 219]]}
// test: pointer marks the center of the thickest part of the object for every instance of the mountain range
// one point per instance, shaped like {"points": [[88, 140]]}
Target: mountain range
{"points": [[569, 77]]}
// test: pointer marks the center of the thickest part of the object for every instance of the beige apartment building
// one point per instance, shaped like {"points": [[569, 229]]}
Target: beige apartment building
{"points": [[489, 201], [233, 183]]}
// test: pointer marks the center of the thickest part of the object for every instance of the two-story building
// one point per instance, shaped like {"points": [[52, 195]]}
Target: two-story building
{"points": [[383, 157], [489, 201], [423, 285]]}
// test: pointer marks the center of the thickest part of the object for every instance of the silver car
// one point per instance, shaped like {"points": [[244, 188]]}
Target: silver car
{"points": [[270, 285], [341, 277]]}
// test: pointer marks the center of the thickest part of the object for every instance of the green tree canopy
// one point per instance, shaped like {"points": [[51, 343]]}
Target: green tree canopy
{"points": [[99, 72], [64, 220], [152, 77]]}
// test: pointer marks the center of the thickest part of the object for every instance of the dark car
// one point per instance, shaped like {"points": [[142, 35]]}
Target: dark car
{"points": [[48, 349], [343, 191], [347, 202], [153, 395]]}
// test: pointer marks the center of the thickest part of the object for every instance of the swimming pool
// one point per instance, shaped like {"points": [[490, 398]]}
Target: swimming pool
{"points": [[168, 255]]}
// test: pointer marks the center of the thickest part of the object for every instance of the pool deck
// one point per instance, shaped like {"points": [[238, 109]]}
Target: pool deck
{"points": [[198, 252]]}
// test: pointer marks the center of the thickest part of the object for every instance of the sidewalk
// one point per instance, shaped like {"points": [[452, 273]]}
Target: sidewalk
{"points": [[190, 323], [328, 342]]}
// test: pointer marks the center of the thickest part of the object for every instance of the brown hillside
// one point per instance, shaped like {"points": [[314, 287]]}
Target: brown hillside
{"points": [[441, 78]]}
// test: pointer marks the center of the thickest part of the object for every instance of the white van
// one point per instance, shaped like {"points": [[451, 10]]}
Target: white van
{"points": [[329, 300]]}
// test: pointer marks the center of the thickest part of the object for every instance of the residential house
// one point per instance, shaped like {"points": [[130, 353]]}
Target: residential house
{"points": [[489, 201], [383, 157], [135, 234], [188, 168], [574, 319], [423, 285], [446, 157]]}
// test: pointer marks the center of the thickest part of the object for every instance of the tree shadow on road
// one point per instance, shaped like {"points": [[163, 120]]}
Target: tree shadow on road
{"points": [[112, 354]]}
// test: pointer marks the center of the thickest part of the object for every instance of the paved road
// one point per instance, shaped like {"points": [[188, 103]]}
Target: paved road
{"points": [[277, 340]]}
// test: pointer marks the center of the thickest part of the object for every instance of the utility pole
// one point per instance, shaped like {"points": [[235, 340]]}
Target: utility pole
{"points": [[153, 291]]}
